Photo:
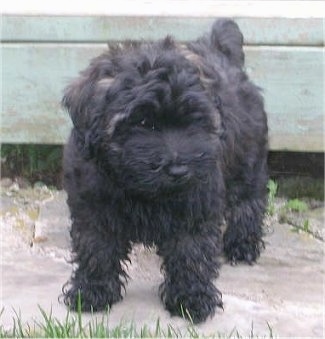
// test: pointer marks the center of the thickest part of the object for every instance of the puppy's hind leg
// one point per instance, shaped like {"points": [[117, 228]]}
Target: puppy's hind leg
{"points": [[246, 203], [98, 279]]}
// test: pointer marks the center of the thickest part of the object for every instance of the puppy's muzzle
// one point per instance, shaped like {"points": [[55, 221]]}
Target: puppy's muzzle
{"points": [[177, 171]]}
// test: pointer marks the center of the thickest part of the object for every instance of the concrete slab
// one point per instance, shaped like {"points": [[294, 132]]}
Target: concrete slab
{"points": [[285, 290]]}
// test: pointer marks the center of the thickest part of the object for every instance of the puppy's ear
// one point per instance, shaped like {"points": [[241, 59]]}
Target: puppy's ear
{"points": [[76, 100], [84, 93], [83, 99], [227, 38]]}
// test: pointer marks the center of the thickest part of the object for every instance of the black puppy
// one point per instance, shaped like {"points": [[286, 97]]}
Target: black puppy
{"points": [[169, 141]]}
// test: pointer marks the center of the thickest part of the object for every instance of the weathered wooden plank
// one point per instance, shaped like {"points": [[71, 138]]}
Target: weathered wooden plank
{"points": [[196, 8], [293, 83], [34, 76], [257, 31]]}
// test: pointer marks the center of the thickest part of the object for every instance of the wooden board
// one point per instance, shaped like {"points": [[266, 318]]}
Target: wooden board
{"points": [[35, 74], [181, 8], [257, 31]]}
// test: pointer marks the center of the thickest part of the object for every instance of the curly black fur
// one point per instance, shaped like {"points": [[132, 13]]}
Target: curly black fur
{"points": [[168, 141]]}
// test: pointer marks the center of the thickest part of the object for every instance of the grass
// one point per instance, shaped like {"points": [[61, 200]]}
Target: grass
{"points": [[296, 205], [301, 187], [293, 206], [305, 226], [272, 188], [74, 326], [32, 162]]}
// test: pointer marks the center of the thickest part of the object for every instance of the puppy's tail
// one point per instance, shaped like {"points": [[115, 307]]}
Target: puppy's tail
{"points": [[228, 39]]}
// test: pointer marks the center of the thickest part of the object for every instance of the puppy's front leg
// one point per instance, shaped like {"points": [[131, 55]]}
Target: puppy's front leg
{"points": [[99, 277], [190, 265]]}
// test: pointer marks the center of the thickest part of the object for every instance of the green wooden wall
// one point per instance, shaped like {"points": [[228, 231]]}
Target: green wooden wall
{"points": [[41, 54]]}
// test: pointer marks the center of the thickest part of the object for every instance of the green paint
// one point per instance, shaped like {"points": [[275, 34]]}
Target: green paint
{"points": [[34, 74], [257, 31], [293, 84]]}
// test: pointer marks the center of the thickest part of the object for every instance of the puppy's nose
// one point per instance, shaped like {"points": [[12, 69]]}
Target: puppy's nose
{"points": [[177, 171]]}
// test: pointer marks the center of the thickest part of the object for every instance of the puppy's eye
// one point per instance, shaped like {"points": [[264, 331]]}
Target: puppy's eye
{"points": [[200, 154], [198, 117], [147, 123]]}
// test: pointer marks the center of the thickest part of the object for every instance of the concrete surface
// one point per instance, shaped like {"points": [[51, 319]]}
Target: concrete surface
{"points": [[284, 290]]}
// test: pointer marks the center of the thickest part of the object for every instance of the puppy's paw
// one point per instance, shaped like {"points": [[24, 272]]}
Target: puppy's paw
{"points": [[247, 250], [89, 298], [196, 306]]}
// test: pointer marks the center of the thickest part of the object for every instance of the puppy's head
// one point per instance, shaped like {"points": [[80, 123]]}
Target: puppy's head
{"points": [[143, 112]]}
